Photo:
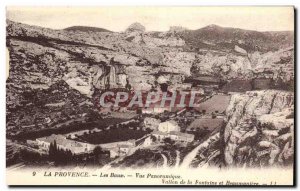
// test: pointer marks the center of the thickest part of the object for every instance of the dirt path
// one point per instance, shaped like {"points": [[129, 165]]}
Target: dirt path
{"points": [[191, 156], [177, 159], [165, 163]]}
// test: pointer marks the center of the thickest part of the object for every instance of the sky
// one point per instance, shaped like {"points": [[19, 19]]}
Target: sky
{"points": [[156, 18]]}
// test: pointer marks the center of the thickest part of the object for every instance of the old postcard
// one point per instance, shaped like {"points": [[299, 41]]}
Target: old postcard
{"points": [[186, 96]]}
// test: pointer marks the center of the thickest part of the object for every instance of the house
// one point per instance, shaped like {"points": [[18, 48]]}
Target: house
{"points": [[113, 153], [174, 135], [124, 149], [63, 143], [32, 143], [147, 141], [168, 126], [156, 109], [151, 123], [160, 136], [179, 136]]}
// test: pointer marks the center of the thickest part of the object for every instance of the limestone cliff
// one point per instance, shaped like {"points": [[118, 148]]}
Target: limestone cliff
{"points": [[260, 129], [85, 58]]}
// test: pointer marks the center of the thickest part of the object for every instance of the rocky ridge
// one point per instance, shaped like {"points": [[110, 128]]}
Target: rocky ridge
{"points": [[86, 58], [260, 124], [260, 129]]}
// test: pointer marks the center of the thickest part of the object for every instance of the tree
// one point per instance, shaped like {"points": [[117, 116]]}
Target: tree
{"points": [[153, 138], [168, 141], [97, 151], [53, 150], [213, 116], [148, 130]]}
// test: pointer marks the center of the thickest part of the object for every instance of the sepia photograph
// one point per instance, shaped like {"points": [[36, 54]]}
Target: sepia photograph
{"points": [[186, 96]]}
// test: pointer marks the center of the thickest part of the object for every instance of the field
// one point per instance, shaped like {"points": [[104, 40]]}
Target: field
{"points": [[206, 123], [101, 124], [218, 103], [112, 135]]}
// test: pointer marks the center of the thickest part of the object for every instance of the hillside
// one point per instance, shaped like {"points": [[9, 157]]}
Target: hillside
{"points": [[225, 38], [86, 29], [55, 75]]}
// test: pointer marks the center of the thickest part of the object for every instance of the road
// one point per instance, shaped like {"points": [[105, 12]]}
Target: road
{"points": [[191, 156]]}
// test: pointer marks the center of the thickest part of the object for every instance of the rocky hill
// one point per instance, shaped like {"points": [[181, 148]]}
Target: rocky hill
{"points": [[84, 57], [225, 38], [260, 129], [55, 73]]}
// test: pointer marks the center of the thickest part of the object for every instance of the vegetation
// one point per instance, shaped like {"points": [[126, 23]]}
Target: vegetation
{"points": [[59, 156], [66, 129], [112, 135]]}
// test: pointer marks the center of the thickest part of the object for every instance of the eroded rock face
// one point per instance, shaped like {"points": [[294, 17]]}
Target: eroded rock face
{"points": [[260, 129], [260, 125], [272, 65], [144, 57]]}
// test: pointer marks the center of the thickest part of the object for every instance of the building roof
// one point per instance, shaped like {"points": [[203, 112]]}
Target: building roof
{"points": [[171, 122], [159, 133]]}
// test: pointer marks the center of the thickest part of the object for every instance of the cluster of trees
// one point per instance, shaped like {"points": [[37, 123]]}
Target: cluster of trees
{"points": [[101, 157], [59, 156], [30, 156]]}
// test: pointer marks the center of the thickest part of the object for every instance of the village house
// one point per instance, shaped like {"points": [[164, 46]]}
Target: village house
{"points": [[168, 126], [179, 136], [170, 129], [160, 136], [124, 149], [174, 135], [151, 123], [64, 143], [120, 150], [113, 153], [151, 110]]}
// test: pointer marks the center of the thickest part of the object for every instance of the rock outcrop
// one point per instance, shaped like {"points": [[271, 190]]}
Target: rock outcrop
{"points": [[260, 129], [139, 56], [135, 27]]}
